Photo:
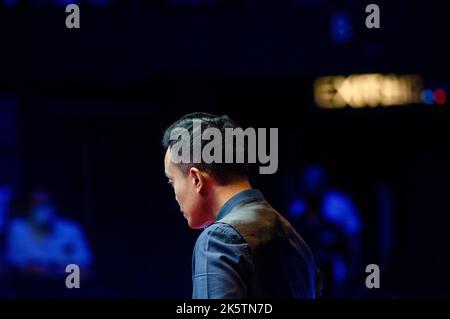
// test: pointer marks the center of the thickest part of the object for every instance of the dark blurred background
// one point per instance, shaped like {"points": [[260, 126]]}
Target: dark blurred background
{"points": [[82, 113]]}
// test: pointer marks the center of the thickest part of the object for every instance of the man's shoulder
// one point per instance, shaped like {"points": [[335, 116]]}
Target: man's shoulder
{"points": [[219, 231], [68, 227], [255, 214], [256, 221], [259, 224]]}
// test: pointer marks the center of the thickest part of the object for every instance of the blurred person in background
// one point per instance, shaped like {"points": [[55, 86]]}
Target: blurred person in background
{"points": [[331, 223], [5, 199], [39, 247]]}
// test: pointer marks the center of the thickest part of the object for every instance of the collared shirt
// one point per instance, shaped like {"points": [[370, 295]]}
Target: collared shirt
{"points": [[251, 252]]}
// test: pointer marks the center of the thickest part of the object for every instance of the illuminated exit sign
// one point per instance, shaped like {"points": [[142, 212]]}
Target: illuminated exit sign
{"points": [[367, 90]]}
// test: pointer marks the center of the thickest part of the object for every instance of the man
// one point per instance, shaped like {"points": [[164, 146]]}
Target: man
{"points": [[45, 243], [247, 249]]}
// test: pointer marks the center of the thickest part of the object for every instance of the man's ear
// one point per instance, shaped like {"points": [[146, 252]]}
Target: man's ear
{"points": [[197, 178]]}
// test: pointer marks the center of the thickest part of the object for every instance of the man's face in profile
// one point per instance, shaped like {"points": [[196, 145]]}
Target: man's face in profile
{"points": [[191, 202]]}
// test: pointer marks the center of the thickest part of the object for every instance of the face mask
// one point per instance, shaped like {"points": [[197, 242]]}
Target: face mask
{"points": [[43, 215]]}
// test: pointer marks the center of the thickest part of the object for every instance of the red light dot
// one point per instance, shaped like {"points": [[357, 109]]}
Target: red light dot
{"points": [[440, 96]]}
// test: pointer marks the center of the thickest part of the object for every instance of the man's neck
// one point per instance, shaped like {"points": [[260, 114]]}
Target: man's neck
{"points": [[224, 193]]}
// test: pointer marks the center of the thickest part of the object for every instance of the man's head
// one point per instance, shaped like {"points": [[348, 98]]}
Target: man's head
{"points": [[195, 184]]}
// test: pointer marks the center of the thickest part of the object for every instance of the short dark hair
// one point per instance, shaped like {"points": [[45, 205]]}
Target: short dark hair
{"points": [[222, 172]]}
